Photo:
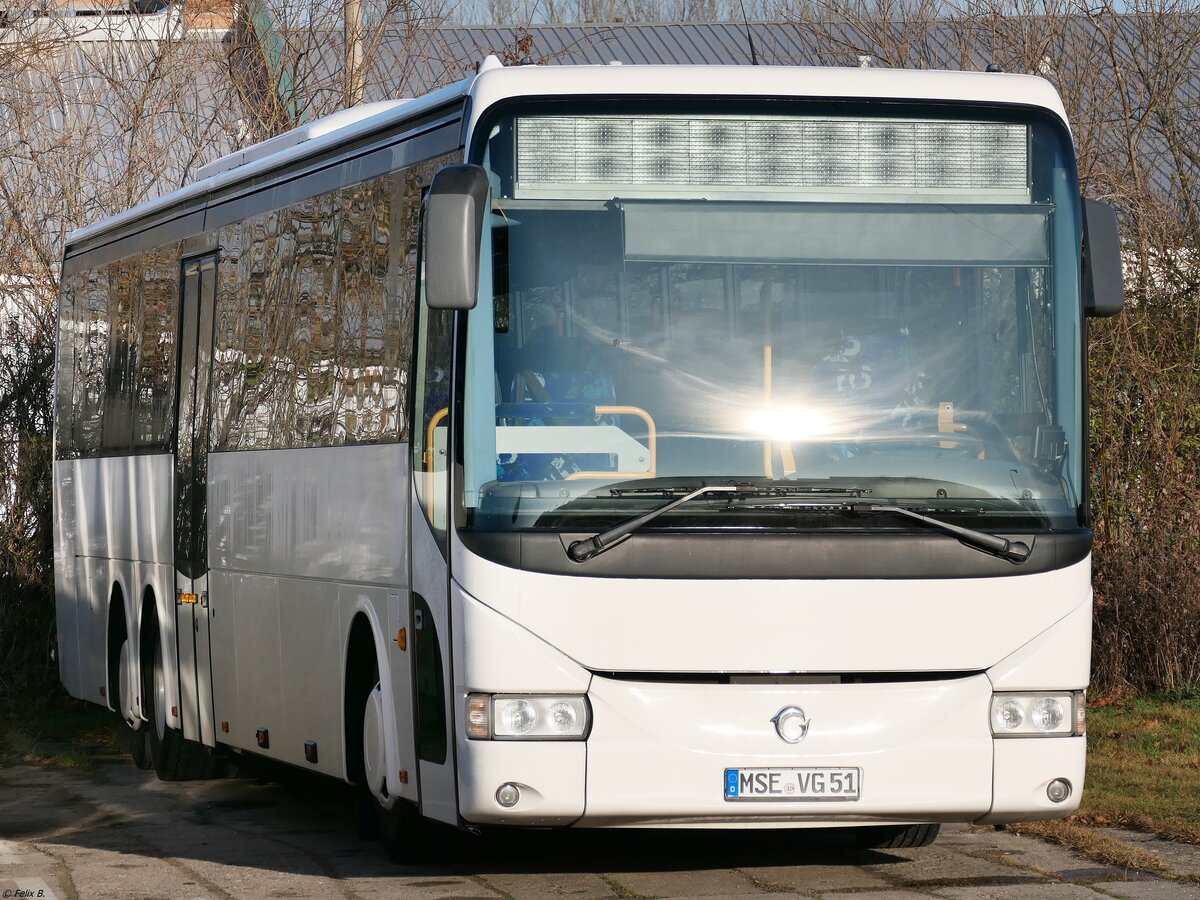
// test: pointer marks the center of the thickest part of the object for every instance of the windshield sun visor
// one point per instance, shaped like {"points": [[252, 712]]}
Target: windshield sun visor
{"points": [[864, 234]]}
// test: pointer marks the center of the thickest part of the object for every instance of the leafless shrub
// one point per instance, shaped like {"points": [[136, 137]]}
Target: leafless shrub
{"points": [[1127, 79], [90, 127]]}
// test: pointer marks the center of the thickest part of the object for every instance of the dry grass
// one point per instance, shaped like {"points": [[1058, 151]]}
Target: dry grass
{"points": [[72, 737], [1143, 773], [1102, 848], [1144, 766]]}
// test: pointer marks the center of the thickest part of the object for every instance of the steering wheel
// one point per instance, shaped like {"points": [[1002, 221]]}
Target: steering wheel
{"points": [[975, 435]]}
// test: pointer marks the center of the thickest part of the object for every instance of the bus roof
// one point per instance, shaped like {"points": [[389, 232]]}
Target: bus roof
{"points": [[496, 82], [801, 82]]}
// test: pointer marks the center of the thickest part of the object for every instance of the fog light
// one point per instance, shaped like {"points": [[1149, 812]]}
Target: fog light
{"points": [[1058, 790], [507, 795]]}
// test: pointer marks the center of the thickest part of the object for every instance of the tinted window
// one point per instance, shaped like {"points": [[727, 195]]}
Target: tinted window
{"points": [[123, 283], [156, 326], [91, 360], [314, 319], [116, 356]]}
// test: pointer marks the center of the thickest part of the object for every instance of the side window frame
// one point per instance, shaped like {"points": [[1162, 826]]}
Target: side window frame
{"points": [[65, 353], [429, 415]]}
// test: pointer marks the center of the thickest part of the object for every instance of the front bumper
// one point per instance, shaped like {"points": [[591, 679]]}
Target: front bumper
{"points": [[657, 753]]}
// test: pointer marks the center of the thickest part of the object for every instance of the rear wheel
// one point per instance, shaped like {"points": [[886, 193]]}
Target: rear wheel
{"points": [[173, 757], [139, 748], [896, 837], [139, 743]]}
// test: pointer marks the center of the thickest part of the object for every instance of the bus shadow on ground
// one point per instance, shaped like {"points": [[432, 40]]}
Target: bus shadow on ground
{"points": [[270, 817], [534, 850]]}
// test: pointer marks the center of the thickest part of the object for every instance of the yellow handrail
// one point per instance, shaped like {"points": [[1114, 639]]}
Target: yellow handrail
{"points": [[651, 439], [427, 457]]}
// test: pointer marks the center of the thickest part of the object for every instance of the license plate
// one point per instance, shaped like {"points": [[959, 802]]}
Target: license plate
{"points": [[793, 784]]}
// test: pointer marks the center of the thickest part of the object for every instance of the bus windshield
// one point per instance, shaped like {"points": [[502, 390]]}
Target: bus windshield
{"points": [[883, 306]]}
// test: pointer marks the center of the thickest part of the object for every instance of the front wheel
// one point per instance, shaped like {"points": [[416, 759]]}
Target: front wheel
{"points": [[896, 837], [401, 829]]}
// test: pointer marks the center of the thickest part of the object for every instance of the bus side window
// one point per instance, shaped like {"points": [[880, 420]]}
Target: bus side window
{"points": [[122, 355], [156, 328], [91, 359]]}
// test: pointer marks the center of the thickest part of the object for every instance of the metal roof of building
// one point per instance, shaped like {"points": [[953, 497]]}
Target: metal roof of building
{"points": [[451, 49], [413, 60], [678, 44]]}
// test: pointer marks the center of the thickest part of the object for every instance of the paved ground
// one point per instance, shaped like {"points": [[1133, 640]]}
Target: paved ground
{"points": [[116, 832]]}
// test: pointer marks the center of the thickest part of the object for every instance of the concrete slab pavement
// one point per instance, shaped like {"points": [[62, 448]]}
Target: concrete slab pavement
{"points": [[116, 832]]}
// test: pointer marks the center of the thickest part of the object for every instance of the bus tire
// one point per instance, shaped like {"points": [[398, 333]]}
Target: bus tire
{"points": [[139, 749], [362, 671], [163, 739], [173, 757], [139, 742], [119, 686], [404, 833], [896, 837], [401, 829]]}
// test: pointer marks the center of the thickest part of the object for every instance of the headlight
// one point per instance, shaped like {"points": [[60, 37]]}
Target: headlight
{"points": [[1007, 716], [510, 717], [1048, 714], [1037, 715]]}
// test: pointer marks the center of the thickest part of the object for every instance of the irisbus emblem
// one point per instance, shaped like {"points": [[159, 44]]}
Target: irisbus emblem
{"points": [[791, 724]]}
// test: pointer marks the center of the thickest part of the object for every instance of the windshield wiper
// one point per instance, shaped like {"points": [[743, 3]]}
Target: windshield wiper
{"points": [[1013, 551], [768, 489], [585, 548]]}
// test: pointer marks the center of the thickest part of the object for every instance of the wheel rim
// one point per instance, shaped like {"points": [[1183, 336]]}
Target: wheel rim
{"points": [[160, 692], [373, 750], [124, 706]]}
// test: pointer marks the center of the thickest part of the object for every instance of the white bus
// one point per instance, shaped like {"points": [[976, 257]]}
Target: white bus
{"points": [[602, 446]]}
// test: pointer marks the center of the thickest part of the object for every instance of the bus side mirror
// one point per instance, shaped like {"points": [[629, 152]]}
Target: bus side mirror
{"points": [[1103, 275], [454, 214]]}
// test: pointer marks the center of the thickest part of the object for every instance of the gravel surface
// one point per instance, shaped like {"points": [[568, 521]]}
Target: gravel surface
{"points": [[112, 831]]}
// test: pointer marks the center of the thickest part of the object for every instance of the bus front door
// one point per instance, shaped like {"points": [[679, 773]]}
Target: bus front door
{"points": [[198, 286]]}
